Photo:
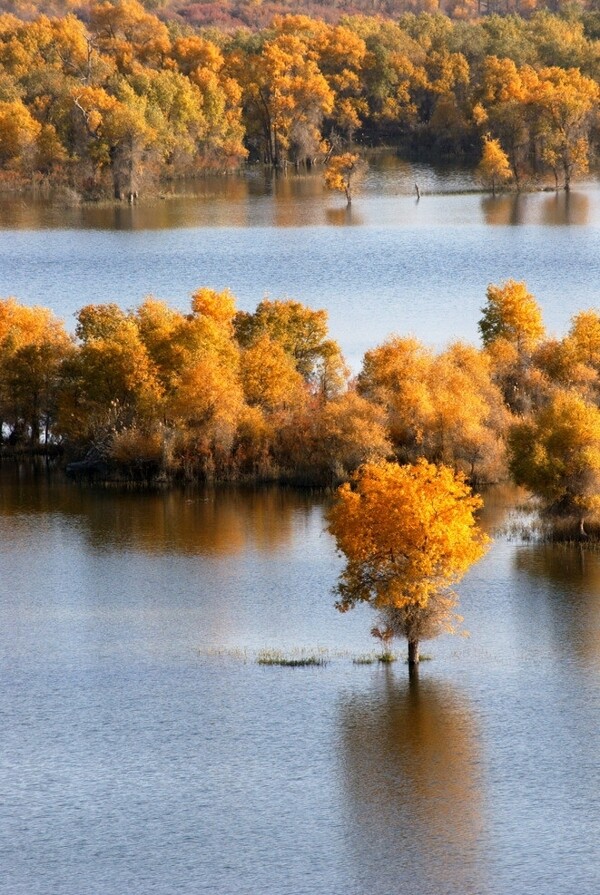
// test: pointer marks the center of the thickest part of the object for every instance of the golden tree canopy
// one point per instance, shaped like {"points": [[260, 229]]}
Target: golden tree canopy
{"points": [[511, 313], [408, 533], [343, 171], [556, 454], [494, 167]]}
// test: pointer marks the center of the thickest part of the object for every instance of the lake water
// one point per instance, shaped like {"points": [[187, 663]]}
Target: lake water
{"points": [[388, 264], [143, 748]]}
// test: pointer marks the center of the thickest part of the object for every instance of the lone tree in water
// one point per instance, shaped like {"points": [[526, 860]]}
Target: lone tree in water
{"points": [[408, 534], [494, 167], [343, 172]]}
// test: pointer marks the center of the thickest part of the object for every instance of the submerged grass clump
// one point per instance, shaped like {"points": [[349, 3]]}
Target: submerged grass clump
{"points": [[294, 660], [300, 657], [371, 658]]}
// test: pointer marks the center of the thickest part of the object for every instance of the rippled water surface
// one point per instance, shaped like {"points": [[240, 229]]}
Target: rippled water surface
{"points": [[144, 750], [388, 264]]}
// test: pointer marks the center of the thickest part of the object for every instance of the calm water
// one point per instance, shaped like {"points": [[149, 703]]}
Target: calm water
{"points": [[144, 750], [389, 264]]}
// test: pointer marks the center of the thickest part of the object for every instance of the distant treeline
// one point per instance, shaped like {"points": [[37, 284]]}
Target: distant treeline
{"points": [[231, 15], [119, 99], [154, 394]]}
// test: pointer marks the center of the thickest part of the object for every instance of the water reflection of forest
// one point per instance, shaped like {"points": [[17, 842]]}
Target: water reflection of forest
{"points": [[550, 210], [411, 765], [259, 197], [570, 584], [195, 521]]}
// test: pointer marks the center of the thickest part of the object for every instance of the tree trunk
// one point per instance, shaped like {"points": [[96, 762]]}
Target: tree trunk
{"points": [[413, 653]]}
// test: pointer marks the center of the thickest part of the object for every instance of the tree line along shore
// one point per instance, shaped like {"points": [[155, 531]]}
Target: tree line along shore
{"points": [[154, 395], [115, 100]]}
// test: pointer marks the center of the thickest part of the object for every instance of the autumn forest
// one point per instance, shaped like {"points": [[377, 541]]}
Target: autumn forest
{"points": [[367, 414], [121, 99], [153, 394], [115, 101]]}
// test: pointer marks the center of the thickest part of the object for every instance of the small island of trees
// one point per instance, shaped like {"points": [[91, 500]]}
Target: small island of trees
{"points": [[155, 395], [152, 396]]}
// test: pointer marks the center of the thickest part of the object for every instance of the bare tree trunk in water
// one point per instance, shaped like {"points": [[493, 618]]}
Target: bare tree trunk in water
{"points": [[413, 653]]}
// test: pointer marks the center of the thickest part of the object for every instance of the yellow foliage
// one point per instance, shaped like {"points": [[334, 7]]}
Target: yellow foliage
{"points": [[556, 454], [395, 375], [218, 306], [33, 345], [511, 313], [467, 418], [18, 131], [566, 102], [162, 331], [350, 431], [111, 381], [342, 173], [302, 333], [23, 325], [494, 167], [270, 378], [208, 399], [561, 363], [408, 534], [128, 32], [193, 52], [584, 337]]}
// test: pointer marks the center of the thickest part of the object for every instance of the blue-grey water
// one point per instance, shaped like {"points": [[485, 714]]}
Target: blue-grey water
{"points": [[143, 748], [389, 264]]}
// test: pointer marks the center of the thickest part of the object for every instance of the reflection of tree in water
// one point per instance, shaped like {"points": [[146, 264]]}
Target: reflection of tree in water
{"points": [[565, 208], [344, 217], [508, 208], [498, 502], [554, 209], [573, 598], [411, 762], [291, 196], [199, 521]]}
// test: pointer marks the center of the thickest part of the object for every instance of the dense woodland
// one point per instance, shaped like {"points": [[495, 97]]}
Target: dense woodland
{"points": [[230, 15], [113, 98], [154, 394]]}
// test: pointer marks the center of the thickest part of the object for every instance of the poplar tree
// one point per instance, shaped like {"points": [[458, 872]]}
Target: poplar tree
{"points": [[408, 534]]}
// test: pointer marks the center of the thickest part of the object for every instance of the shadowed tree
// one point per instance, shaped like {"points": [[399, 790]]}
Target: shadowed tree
{"points": [[556, 455]]}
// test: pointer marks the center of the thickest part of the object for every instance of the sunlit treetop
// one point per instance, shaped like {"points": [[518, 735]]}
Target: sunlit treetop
{"points": [[407, 532], [511, 313]]}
